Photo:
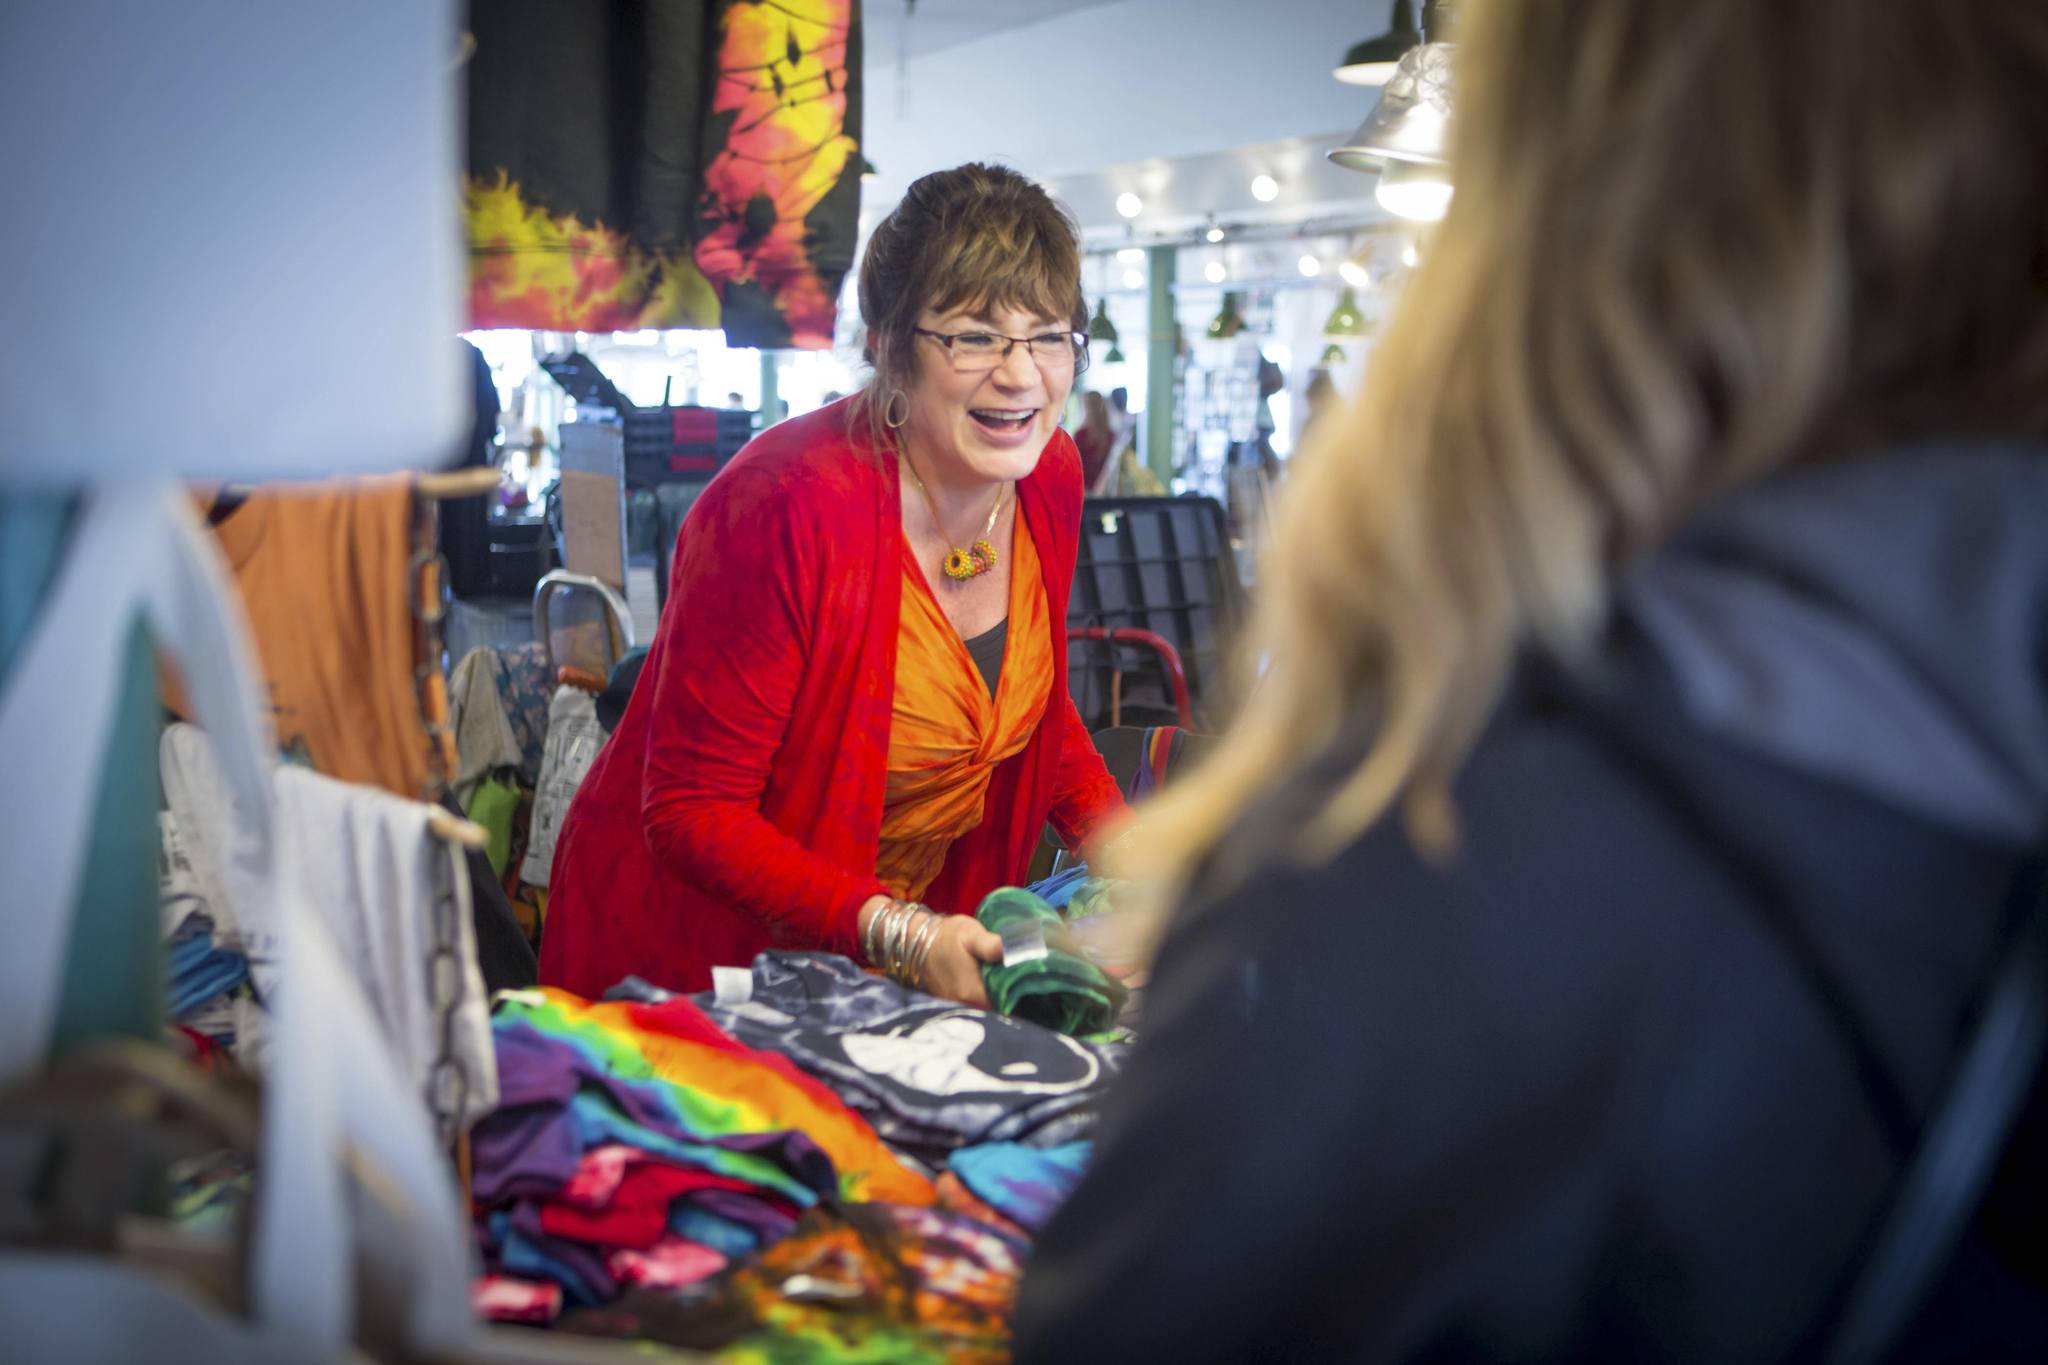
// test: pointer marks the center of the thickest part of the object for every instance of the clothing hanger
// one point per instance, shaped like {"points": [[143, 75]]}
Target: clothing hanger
{"points": [[453, 829], [443, 485], [439, 485]]}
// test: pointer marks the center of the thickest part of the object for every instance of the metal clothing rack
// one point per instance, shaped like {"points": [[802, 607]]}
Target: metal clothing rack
{"points": [[618, 618]]}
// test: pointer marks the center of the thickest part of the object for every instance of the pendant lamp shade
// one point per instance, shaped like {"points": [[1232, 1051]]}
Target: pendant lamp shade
{"points": [[1411, 122], [1115, 356], [1228, 322], [1333, 354], [1372, 62], [1345, 320], [1100, 328]]}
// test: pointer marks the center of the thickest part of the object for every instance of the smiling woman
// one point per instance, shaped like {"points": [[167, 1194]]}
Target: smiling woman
{"points": [[854, 720]]}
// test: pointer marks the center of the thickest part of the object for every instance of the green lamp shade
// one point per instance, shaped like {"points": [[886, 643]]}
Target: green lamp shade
{"points": [[867, 170], [1333, 354], [1345, 320], [1115, 356], [1228, 322], [1100, 328]]}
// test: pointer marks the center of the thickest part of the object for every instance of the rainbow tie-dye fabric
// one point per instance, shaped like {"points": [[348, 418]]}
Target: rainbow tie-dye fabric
{"points": [[712, 1085], [636, 1142]]}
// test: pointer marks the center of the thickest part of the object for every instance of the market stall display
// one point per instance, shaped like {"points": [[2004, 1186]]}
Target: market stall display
{"points": [[806, 1159]]}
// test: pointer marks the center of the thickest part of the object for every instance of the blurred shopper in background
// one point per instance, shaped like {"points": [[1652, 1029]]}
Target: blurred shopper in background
{"points": [[1586, 914], [1094, 440], [1319, 401]]}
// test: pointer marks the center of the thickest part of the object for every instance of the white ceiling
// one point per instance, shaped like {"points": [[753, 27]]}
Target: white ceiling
{"points": [[1182, 101], [894, 29]]}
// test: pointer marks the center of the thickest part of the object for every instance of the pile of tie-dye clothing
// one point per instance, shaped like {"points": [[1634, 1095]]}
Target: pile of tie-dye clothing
{"points": [[648, 1174]]}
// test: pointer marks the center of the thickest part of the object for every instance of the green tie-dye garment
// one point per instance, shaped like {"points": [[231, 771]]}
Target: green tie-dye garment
{"points": [[1063, 990]]}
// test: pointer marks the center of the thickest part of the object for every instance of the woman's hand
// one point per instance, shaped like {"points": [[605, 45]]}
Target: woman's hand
{"points": [[953, 969], [959, 948]]}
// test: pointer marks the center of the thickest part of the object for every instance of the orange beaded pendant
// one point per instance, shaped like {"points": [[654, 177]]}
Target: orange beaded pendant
{"points": [[961, 565]]}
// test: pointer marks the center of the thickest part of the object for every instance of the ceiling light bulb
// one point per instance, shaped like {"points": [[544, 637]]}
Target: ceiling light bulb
{"points": [[1365, 73], [1134, 279], [1311, 267], [1129, 205], [1131, 255], [1414, 190], [1265, 188], [1214, 234], [1410, 257], [1353, 274], [1215, 273]]}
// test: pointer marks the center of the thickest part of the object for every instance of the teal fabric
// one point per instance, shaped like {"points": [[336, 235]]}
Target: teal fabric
{"points": [[114, 971], [1063, 990], [113, 965], [33, 531]]}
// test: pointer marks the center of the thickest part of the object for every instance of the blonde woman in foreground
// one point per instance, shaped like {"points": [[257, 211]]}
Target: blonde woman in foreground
{"points": [[1579, 926]]}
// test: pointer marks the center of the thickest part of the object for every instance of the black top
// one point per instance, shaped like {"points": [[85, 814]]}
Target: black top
{"points": [[986, 649], [1575, 1093]]}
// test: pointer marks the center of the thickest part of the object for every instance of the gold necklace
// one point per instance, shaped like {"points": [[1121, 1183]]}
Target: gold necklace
{"points": [[976, 560]]}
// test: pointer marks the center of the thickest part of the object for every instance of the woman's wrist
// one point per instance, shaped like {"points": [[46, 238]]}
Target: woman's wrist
{"points": [[896, 937]]}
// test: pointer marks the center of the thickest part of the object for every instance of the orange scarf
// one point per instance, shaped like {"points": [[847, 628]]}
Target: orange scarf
{"points": [[947, 734]]}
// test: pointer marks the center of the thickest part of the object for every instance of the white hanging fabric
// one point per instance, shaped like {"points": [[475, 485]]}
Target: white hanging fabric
{"points": [[574, 737], [391, 893], [141, 551]]}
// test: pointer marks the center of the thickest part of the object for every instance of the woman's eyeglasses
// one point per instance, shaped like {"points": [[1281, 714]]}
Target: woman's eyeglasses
{"points": [[974, 352]]}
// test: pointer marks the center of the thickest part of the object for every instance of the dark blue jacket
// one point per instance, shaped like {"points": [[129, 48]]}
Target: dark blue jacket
{"points": [[1634, 1073]]}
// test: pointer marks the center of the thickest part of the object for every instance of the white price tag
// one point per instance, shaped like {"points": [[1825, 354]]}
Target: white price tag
{"points": [[1023, 941], [732, 985]]}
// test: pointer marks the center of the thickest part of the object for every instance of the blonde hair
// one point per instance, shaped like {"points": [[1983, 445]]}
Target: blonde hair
{"points": [[976, 236], [1692, 243]]}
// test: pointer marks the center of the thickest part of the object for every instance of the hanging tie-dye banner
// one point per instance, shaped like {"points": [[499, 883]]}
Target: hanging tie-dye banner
{"points": [[663, 163]]}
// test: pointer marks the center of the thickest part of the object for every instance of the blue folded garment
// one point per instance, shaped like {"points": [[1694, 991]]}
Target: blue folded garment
{"points": [[1059, 888], [196, 972]]}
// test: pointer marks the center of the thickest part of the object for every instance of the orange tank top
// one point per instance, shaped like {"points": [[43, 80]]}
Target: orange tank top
{"points": [[946, 733]]}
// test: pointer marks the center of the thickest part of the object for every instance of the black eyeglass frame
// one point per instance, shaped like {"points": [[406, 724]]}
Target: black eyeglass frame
{"points": [[946, 339]]}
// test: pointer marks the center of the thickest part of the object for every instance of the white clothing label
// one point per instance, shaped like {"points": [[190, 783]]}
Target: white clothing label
{"points": [[732, 985], [1023, 941]]}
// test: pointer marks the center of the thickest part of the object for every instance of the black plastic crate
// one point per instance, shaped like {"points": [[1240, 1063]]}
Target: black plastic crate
{"points": [[661, 443], [1163, 565], [682, 442]]}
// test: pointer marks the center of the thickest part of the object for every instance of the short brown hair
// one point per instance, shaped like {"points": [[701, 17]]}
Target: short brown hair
{"points": [[976, 236]]}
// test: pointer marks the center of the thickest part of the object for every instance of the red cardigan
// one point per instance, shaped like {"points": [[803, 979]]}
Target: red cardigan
{"points": [[738, 806]]}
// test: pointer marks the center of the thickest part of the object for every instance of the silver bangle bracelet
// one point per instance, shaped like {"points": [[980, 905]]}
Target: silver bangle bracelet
{"points": [[867, 934], [901, 925], [885, 947], [899, 939], [924, 948], [920, 949], [910, 927]]}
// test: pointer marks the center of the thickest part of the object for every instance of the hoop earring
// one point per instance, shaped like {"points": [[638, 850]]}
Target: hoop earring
{"points": [[889, 417]]}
